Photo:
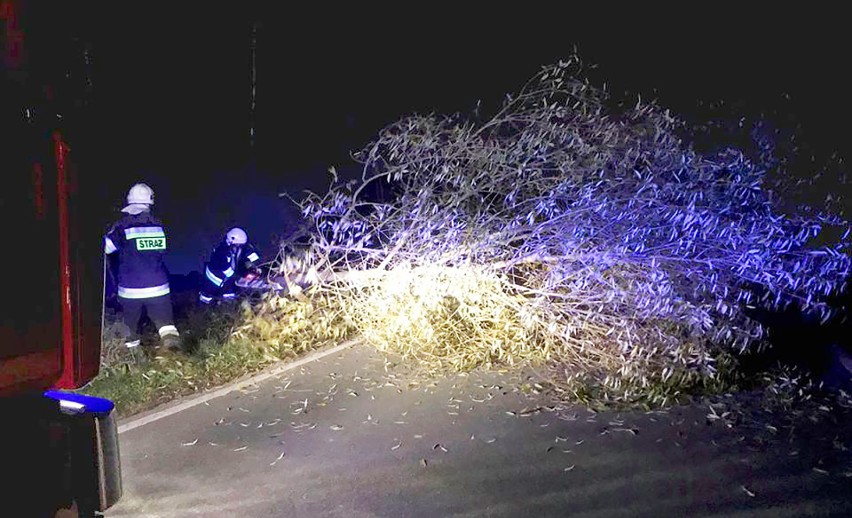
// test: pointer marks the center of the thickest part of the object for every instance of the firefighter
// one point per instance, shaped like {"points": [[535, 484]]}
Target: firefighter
{"points": [[230, 260], [137, 242]]}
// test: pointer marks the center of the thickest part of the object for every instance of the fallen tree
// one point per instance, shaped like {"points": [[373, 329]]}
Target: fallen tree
{"points": [[561, 231]]}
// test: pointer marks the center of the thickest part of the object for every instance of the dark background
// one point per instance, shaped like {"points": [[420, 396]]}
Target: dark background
{"points": [[166, 88]]}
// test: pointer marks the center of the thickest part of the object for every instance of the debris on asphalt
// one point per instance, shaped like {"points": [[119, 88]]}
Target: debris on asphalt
{"points": [[276, 460]]}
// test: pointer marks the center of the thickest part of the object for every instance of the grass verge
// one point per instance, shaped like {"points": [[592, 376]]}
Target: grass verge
{"points": [[217, 352]]}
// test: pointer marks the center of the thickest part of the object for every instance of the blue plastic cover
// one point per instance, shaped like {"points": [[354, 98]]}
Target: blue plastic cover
{"points": [[97, 405]]}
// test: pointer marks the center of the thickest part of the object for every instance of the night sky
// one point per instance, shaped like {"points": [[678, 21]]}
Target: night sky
{"points": [[170, 97]]}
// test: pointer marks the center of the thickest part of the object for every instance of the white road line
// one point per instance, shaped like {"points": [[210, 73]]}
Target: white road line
{"points": [[191, 401]]}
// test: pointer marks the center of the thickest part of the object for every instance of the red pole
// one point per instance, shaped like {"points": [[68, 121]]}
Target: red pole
{"points": [[66, 380]]}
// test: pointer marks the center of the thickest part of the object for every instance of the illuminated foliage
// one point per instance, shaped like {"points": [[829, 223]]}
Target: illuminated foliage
{"points": [[561, 231]]}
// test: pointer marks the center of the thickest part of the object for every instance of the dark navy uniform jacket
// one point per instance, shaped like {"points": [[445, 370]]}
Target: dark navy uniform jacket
{"points": [[140, 242], [226, 261]]}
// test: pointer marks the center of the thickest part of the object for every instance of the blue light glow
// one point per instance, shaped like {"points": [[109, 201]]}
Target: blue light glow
{"points": [[91, 404]]}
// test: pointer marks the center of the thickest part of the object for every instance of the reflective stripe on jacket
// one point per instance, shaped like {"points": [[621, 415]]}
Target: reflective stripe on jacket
{"points": [[140, 242], [143, 293], [227, 261]]}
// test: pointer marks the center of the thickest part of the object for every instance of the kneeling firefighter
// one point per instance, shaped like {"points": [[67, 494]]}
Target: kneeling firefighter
{"points": [[137, 242], [230, 260]]}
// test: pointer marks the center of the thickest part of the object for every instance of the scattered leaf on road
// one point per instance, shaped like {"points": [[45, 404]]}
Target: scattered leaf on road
{"points": [[632, 431], [276, 460]]}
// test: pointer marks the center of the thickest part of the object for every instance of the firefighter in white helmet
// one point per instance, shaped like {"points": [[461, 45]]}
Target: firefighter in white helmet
{"points": [[137, 242], [230, 260]]}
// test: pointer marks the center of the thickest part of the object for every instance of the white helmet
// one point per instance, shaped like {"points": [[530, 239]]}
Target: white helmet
{"points": [[140, 193], [236, 236]]}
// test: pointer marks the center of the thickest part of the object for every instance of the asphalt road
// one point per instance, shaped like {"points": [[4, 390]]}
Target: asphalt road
{"points": [[344, 436]]}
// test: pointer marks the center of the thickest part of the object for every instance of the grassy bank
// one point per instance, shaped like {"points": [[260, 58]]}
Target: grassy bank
{"points": [[220, 346], [135, 388]]}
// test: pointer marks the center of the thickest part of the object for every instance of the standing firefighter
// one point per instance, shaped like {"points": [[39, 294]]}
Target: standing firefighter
{"points": [[138, 240], [230, 260]]}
